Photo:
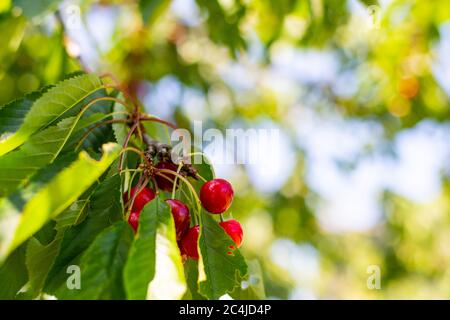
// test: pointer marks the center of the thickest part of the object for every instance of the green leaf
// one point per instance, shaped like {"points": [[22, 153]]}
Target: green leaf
{"points": [[155, 250], [220, 266], [51, 106], [104, 209], [13, 274], [142, 253], [40, 257], [252, 286], [191, 274], [41, 149], [102, 265], [100, 135], [13, 113], [18, 224]]}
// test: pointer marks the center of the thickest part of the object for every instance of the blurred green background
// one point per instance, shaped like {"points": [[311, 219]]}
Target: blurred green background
{"points": [[358, 89]]}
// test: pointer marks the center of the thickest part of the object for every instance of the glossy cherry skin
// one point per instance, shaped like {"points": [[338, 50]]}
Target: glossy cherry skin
{"points": [[133, 220], [216, 195], [189, 242], [146, 195], [181, 217], [163, 183], [234, 230]]}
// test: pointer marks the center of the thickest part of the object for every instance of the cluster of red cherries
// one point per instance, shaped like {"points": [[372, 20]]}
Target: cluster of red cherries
{"points": [[215, 196]]}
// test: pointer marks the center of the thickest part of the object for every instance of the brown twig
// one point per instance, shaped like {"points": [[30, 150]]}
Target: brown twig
{"points": [[154, 119], [97, 125], [125, 144]]}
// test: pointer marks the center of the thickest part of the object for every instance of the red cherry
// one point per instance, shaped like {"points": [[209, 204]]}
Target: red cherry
{"points": [[146, 195], [216, 195], [189, 242], [234, 230], [180, 213], [163, 183], [133, 220]]}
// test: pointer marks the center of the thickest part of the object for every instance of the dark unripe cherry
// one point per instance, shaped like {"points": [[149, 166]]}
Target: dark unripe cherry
{"points": [[234, 230], [142, 198], [216, 195], [162, 182], [189, 242], [181, 217], [133, 220]]}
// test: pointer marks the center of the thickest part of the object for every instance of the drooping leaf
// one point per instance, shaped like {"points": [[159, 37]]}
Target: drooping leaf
{"points": [[252, 286], [102, 266], [52, 105], [104, 209], [191, 274], [221, 265], [40, 257], [169, 282], [18, 224], [142, 253], [155, 250]]}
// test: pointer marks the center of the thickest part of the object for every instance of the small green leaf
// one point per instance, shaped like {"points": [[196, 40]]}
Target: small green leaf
{"points": [[18, 224], [52, 105], [220, 263], [102, 265]]}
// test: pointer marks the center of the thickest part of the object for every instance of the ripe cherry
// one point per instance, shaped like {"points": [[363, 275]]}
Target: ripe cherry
{"points": [[189, 242], [146, 195], [133, 220], [234, 230], [180, 213], [163, 183], [216, 195]]}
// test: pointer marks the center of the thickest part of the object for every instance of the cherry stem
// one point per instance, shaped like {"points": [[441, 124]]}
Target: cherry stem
{"points": [[154, 119], [125, 144], [191, 188], [201, 178], [140, 186], [97, 125], [175, 180], [118, 85], [135, 150]]}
